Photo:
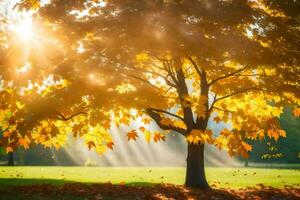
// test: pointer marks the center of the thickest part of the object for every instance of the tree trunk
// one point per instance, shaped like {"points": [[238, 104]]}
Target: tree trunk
{"points": [[195, 174], [246, 163], [11, 159]]}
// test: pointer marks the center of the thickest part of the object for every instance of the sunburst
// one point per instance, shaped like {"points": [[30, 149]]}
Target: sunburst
{"points": [[24, 29]]}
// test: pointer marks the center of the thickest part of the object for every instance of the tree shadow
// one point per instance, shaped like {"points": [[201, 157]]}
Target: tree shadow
{"points": [[39, 188], [30, 181], [64, 189]]}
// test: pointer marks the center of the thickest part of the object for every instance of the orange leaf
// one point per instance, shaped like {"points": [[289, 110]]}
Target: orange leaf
{"points": [[9, 149], [158, 136], [142, 129], [132, 135], [6, 134], [106, 125], [77, 129], [91, 144], [247, 146], [125, 121], [110, 145], [24, 142], [146, 120], [217, 119], [225, 132], [296, 112], [272, 133], [282, 133]]}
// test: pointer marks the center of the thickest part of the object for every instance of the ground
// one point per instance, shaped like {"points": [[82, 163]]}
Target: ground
{"points": [[145, 183]]}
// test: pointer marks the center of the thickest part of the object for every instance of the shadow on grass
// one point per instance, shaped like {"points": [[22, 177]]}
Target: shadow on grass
{"points": [[274, 166], [24, 181], [36, 189], [17, 189]]}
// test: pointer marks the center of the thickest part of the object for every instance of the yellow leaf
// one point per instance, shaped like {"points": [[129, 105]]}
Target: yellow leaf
{"points": [[201, 109], [142, 57], [190, 138], [146, 121], [197, 136], [19, 105], [147, 136]]}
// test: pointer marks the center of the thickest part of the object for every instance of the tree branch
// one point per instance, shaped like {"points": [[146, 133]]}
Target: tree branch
{"points": [[227, 75], [195, 65], [166, 112], [169, 70], [144, 80], [234, 93], [157, 118], [222, 109], [64, 118]]}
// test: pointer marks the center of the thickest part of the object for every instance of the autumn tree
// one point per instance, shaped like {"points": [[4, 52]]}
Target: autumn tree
{"points": [[175, 64]]}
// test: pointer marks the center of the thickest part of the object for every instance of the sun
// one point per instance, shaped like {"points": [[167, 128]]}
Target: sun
{"points": [[24, 28]]}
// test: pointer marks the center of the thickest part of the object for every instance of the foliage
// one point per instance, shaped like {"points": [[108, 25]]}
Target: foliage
{"points": [[282, 151], [175, 64]]}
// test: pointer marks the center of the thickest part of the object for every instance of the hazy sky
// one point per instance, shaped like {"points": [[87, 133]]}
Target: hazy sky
{"points": [[6, 6]]}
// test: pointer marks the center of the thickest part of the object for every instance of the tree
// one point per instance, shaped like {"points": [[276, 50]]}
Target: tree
{"points": [[283, 151], [172, 63]]}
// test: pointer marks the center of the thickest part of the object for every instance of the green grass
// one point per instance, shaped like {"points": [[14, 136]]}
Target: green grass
{"points": [[221, 177]]}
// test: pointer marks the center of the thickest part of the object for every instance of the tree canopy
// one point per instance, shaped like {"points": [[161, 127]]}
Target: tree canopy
{"points": [[175, 64]]}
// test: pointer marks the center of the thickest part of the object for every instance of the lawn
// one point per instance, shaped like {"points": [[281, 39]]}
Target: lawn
{"points": [[233, 178]]}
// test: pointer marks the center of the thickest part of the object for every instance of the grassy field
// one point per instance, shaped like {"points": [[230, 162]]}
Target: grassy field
{"points": [[219, 177]]}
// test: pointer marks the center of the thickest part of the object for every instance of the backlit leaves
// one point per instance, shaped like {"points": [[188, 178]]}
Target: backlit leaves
{"points": [[148, 136], [247, 146], [199, 137], [79, 129], [24, 142], [120, 72], [276, 133], [201, 108], [9, 149]]}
